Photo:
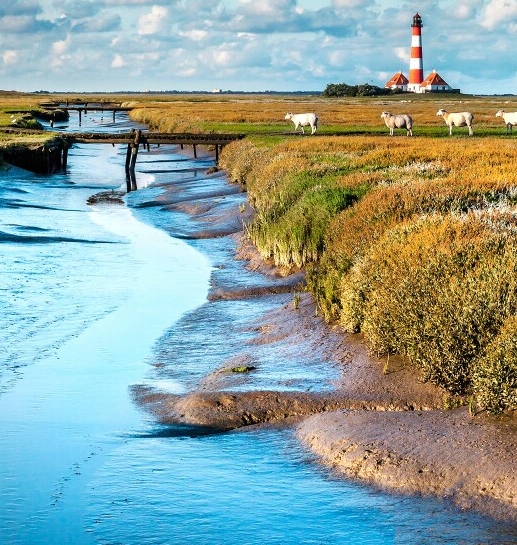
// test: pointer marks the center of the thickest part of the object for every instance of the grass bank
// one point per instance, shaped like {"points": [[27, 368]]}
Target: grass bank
{"points": [[409, 241]]}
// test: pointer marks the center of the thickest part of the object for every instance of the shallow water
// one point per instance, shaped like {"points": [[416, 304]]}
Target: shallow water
{"points": [[96, 299]]}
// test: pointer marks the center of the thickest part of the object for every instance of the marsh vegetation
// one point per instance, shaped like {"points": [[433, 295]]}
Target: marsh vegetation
{"points": [[410, 241]]}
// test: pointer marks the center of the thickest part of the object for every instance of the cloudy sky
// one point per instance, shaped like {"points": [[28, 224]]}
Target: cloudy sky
{"points": [[251, 45]]}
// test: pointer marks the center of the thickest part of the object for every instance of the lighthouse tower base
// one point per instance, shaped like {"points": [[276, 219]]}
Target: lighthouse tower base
{"points": [[414, 88]]}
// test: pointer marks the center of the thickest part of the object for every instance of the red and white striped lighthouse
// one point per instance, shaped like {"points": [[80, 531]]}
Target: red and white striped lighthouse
{"points": [[416, 65]]}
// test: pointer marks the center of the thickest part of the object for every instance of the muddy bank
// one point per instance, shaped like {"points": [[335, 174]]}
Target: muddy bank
{"points": [[377, 422], [362, 384], [448, 454], [229, 410]]}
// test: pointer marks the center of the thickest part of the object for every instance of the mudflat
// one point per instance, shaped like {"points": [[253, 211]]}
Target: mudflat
{"points": [[379, 423]]}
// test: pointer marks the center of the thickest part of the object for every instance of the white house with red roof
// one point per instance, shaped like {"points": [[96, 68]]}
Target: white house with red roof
{"points": [[434, 82], [397, 81]]}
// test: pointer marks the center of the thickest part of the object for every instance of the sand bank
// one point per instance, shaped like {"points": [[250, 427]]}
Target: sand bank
{"points": [[449, 454]]}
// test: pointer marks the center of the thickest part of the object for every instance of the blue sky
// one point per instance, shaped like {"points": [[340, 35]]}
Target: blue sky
{"points": [[251, 45]]}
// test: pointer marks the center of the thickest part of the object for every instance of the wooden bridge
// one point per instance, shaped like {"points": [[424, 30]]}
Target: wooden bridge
{"points": [[85, 107], [136, 138], [53, 155]]}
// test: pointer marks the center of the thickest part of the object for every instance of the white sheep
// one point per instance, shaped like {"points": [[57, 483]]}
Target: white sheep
{"points": [[510, 119], [460, 119], [400, 121], [303, 120]]}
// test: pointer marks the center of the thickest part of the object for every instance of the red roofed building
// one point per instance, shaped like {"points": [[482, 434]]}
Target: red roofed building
{"points": [[398, 81], [434, 82], [416, 83]]}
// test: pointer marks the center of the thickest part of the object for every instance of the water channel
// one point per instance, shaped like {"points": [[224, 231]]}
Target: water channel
{"points": [[96, 299]]}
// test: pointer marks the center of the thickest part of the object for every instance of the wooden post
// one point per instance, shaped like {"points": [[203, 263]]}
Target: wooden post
{"points": [[128, 151], [128, 157], [80, 113], [134, 150], [195, 151], [131, 183], [113, 116], [134, 153], [65, 156]]}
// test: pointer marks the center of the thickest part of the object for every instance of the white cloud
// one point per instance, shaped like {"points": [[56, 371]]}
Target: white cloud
{"points": [[337, 57], [118, 61], [346, 4], [61, 46], [402, 53], [10, 56], [194, 35], [497, 12], [16, 24], [463, 11], [222, 58], [153, 22]]}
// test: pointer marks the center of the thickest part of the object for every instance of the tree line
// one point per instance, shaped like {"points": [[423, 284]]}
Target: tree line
{"points": [[364, 90]]}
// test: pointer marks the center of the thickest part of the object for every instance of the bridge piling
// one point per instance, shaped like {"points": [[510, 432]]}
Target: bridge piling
{"points": [[134, 150], [65, 157], [128, 151]]}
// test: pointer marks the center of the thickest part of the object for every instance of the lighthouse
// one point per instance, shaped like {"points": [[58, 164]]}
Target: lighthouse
{"points": [[416, 65]]}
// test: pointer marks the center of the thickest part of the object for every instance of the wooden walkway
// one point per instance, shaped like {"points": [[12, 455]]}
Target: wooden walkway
{"points": [[52, 156], [134, 139], [85, 109]]}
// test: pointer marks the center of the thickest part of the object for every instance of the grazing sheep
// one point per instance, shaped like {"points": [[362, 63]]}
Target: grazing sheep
{"points": [[303, 120], [510, 119], [401, 121], [460, 119]]}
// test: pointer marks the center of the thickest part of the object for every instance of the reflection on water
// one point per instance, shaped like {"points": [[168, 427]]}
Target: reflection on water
{"points": [[92, 300], [257, 487]]}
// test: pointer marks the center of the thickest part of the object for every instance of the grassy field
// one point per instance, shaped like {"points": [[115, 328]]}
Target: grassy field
{"points": [[264, 114], [411, 241]]}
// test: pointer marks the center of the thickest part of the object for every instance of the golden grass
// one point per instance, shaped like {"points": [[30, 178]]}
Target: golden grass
{"points": [[335, 115], [421, 258], [495, 371], [436, 289]]}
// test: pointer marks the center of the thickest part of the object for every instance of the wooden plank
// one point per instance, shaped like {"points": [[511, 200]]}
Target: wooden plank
{"points": [[154, 138]]}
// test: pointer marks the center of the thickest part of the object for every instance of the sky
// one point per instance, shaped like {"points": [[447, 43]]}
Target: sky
{"points": [[251, 45]]}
